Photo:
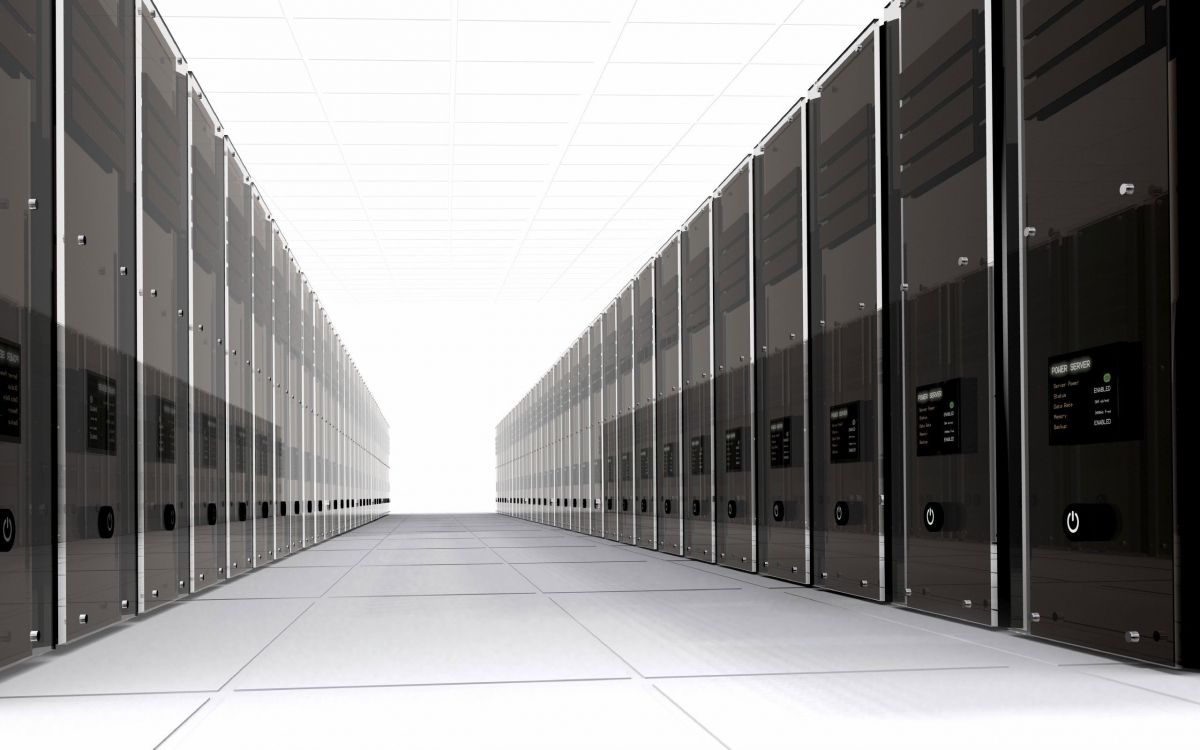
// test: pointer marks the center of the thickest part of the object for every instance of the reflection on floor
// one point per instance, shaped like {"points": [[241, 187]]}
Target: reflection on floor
{"points": [[487, 631]]}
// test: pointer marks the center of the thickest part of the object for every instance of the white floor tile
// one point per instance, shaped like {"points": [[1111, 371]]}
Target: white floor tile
{"points": [[93, 722], [431, 580], [192, 645], [418, 640]]}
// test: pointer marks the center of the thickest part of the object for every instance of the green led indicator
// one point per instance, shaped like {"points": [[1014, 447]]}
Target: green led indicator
{"points": [[1107, 377]]}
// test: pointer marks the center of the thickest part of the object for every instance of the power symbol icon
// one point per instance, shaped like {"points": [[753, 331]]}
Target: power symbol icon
{"points": [[930, 517], [1073, 522]]}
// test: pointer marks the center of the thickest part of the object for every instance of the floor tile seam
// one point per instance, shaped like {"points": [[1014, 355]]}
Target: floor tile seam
{"points": [[696, 721], [352, 567], [117, 694], [224, 687], [1143, 688], [821, 672], [186, 719], [537, 589], [574, 619], [462, 683]]}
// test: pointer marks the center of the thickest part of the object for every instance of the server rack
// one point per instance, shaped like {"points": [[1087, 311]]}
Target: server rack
{"points": [[261, 368], [583, 455], [733, 356], [97, 318], [209, 492], [695, 296], [668, 407], [27, 335], [294, 401], [557, 392], [944, 466], [1099, 263], [599, 470], [163, 527], [611, 404], [645, 495], [321, 418], [239, 335], [583, 416], [846, 296], [624, 415], [570, 468], [278, 383], [306, 394], [781, 333]]}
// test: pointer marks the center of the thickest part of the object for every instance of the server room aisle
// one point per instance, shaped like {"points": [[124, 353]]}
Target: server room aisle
{"points": [[488, 631]]}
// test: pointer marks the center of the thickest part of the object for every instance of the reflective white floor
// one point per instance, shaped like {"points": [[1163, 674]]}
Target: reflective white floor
{"points": [[486, 631]]}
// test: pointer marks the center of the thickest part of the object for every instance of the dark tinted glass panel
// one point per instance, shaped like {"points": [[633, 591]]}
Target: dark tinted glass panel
{"points": [[941, 254], [98, 305], [280, 385], [597, 422], [26, 328], [261, 363], [643, 395], [301, 397], [239, 344], [845, 292], [611, 412], [667, 415], [733, 388], [696, 350], [208, 351], [782, 336], [1100, 297], [163, 345], [626, 448]]}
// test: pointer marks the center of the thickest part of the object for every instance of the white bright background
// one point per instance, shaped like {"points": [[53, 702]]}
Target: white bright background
{"points": [[467, 183]]}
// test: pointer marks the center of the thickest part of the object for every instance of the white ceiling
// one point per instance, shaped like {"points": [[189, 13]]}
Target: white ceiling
{"points": [[494, 160]]}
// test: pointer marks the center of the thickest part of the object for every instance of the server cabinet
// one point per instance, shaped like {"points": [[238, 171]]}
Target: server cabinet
{"points": [[781, 333], [565, 452], [304, 393], [1101, 289], [239, 335], [301, 521], [668, 412], [539, 452], [556, 441], [696, 368], [26, 329], [261, 363], [624, 413], [320, 419], [733, 386], [162, 344], [583, 413], [578, 431], [940, 266], [565, 441], [278, 381], [645, 495], [596, 422], [209, 499], [583, 432], [611, 413], [845, 292], [97, 317]]}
